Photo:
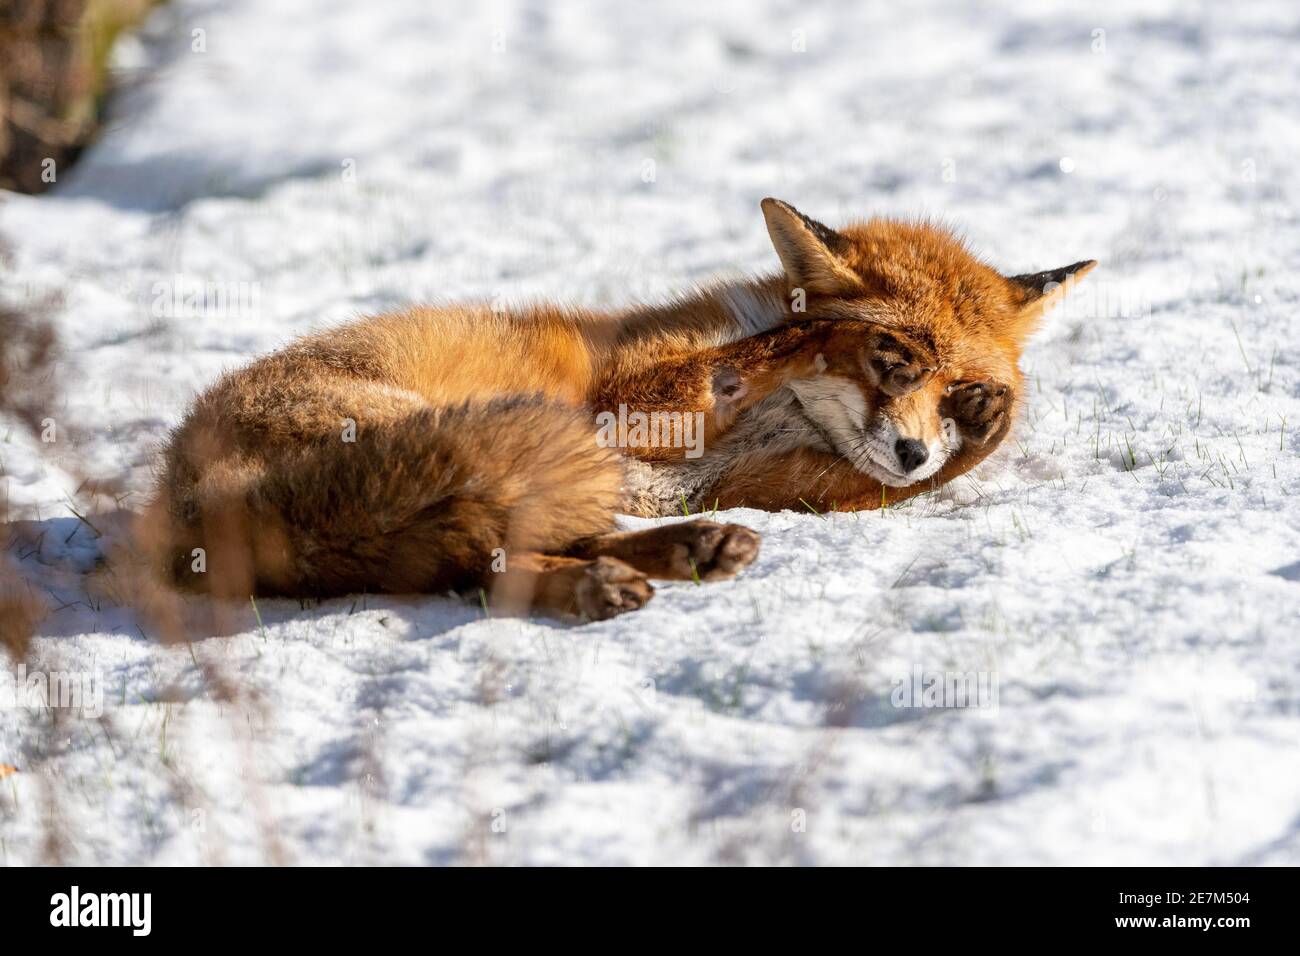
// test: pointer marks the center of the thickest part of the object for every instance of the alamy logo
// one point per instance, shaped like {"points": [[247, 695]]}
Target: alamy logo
{"points": [[975, 690], [651, 430], [103, 909], [37, 690], [184, 297]]}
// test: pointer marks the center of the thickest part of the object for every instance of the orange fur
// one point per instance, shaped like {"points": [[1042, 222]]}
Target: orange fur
{"points": [[453, 448]]}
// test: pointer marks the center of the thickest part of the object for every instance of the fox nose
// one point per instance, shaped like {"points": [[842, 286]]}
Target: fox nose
{"points": [[911, 454]]}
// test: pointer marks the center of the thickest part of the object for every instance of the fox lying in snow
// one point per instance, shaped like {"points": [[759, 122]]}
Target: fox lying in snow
{"points": [[458, 448]]}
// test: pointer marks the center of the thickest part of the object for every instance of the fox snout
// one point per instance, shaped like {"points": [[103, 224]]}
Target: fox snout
{"points": [[898, 455], [911, 453]]}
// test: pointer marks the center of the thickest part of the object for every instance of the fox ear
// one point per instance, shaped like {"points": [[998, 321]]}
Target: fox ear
{"points": [[1039, 291], [809, 251]]}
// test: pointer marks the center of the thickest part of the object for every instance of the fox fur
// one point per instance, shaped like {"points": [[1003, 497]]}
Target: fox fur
{"points": [[454, 448]]}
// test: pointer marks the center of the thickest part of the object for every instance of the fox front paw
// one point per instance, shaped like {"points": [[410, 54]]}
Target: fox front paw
{"points": [[979, 408], [896, 363], [709, 551], [696, 550]]}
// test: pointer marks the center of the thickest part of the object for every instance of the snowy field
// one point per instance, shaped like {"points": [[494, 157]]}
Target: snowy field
{"points": [[1124, 575]]}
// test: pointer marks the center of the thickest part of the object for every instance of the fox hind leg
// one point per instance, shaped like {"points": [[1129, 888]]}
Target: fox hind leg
{"points": [[592, 590]]}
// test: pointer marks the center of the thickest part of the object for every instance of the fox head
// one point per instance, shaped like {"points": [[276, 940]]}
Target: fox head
{"points": [[902, 405]]}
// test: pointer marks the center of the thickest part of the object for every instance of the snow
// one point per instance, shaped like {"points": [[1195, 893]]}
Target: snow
{"points": [[1125, 568]]}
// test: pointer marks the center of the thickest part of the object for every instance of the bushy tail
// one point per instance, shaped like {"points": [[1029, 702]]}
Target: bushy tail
{"points": [[416, 503]]}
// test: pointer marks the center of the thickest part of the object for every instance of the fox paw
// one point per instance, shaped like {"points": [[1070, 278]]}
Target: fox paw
{"points": [[708, 550], [898, 363], [978, 408], [609, 587]]}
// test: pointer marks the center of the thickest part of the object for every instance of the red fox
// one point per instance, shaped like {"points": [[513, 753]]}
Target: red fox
{"points": [[462, 448]]}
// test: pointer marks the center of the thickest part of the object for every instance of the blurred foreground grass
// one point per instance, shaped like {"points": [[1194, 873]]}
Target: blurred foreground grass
{"points": [[54, 77]]}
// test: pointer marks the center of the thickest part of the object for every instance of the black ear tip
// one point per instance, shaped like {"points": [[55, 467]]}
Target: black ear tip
{"points": [[1035, 282], [1073, 269], [1080, 269]]}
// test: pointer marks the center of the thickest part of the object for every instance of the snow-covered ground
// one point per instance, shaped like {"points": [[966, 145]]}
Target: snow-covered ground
{"points": [[1125, 575]]}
